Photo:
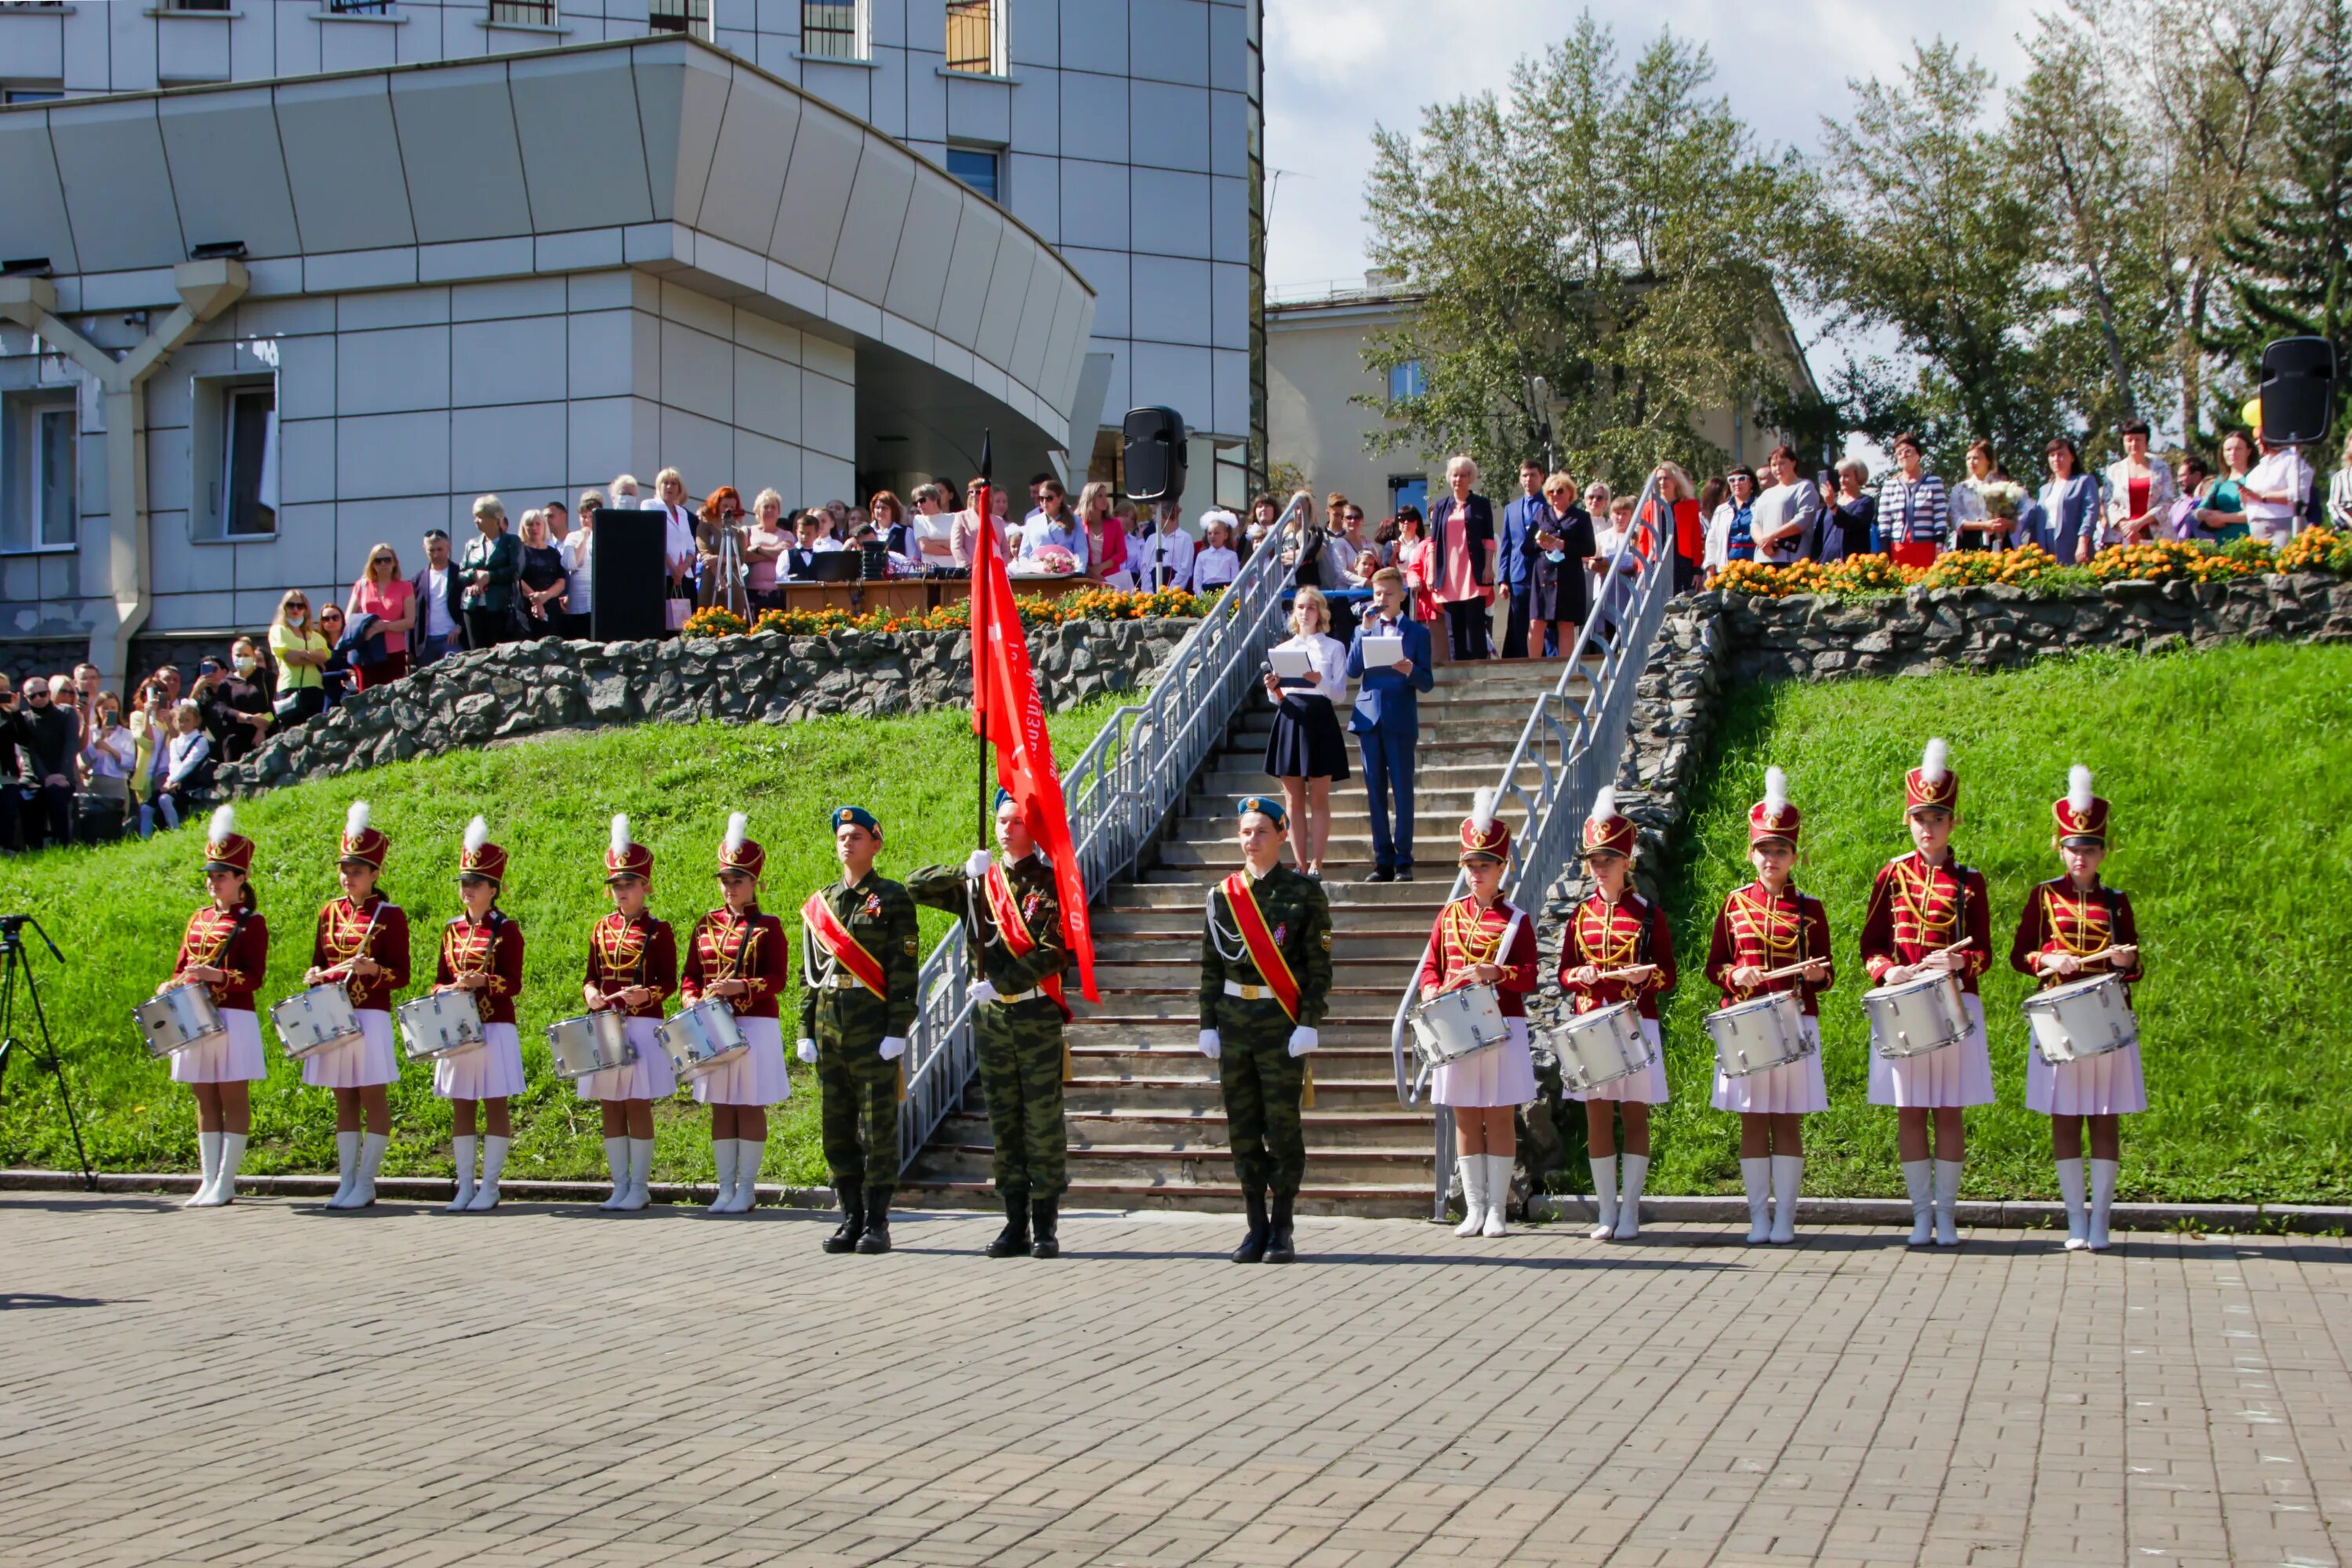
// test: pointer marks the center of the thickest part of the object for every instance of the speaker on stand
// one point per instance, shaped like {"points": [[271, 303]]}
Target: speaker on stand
{"points": [[1154, 442], [628, 576], [2298, 391]]}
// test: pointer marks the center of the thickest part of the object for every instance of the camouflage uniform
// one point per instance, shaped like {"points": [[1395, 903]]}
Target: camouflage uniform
{"points": [[1020, 1042], [848, 1023], [1261, 1080]]}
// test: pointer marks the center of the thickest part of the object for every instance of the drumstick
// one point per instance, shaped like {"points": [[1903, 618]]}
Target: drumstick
{"points": [[1787, 971]]}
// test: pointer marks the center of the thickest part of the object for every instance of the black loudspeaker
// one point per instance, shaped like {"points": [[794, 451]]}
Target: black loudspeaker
{"points": [[628, 574], [1155, 454], [2298, 390]]}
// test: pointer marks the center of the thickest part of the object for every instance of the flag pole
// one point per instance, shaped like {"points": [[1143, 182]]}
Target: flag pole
{"points": [[984, 514]]}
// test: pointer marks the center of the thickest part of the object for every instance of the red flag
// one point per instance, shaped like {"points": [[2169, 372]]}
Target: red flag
{"points": [[1006, 712]]}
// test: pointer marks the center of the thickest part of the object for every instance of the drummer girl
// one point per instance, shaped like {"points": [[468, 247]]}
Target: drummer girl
{"points": [[2075, 927], [1618, 934], [1766, 927], [737, 954], [226, 949], [1928, 914], [1485, 940], [632, 966], [481, 952], [362, 945]]}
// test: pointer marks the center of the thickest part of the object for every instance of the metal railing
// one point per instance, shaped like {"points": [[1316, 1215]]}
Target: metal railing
{"points": [[1119, 793], [1567, 749]]}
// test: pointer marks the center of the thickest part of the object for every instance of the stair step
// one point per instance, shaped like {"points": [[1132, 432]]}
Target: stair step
{"points": [[1182, 943], [1199, 1097], [1180, 1032], [1183, 973], [1187, 888], [1433, 832], [1359, 925], [1088, 1190], [1189, 1167], [1125, 1131]]}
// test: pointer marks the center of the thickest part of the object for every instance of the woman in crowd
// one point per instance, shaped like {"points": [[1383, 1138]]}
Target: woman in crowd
{"points": [[578, 553], [1485, 940], [1216, 563], [932, 532], [2339, 490], [237, 706], [765, 543], [1463, 524], [1914, 511], [1303, 541], [489, 568], [1053, 525], [1557, 598], [151, 733], [2074, 928], [1974, 527], [188, 763], [1265, 513], [1620, 547], [963, 540], [1306, 751], [1849, 513], [891, 525], [2139, 490], [1106, 536], [226, 949], [542, 586], [109, 751], [737, 954], [391, 598], [716, 525], [1731, 529], [1416, 558], [301, 650], [1617, 949], [2070, 505], [1681, 521], [1765, 928], [678, 546], [336, 675], [362, 945], [632, 969], [2223, 515], [481, 953]]}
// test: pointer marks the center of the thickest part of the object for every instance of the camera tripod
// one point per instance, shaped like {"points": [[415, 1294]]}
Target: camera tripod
{"points": [[15, 962]]}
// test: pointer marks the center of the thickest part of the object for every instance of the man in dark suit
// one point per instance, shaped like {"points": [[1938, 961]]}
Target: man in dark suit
{"points": [[440, 623], [1387, 722], [1462, 518], [1515, 562]]}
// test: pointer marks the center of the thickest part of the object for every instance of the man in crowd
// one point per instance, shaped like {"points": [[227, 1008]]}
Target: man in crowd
{"points": [[11, 795], [45, 734], [439, 626], [1515, 561], [1387, 721]]}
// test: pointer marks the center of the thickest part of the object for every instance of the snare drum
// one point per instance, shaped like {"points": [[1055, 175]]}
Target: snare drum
{"points": [[591, 1044], [1601, 1047], [1455, 1023], [1759, 1034], [700, 1038], [2087, 1018], [317, 1020], [441, 1025], [177, 1019], [1923, 1013]]}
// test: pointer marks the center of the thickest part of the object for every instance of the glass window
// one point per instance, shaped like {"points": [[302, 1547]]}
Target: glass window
{"points": [[829, 28], [976, 167], [1406, 380], [531, 13], [55, 431], [690, 16], [28, 94], [974, 42], [250, 461], [1408, 489]]}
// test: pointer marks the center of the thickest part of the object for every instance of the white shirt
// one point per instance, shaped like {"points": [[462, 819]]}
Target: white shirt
{"points": [[577, 551], [1330, 667], [939, 525], [678, 534], [1775, 505], [438, 622], [1338, 563], [1615, 555], [1162, 554], [1214, 567], [2283, 469]]}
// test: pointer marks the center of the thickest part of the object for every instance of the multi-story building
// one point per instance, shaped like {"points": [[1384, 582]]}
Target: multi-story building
{"points": [[343, 265]]}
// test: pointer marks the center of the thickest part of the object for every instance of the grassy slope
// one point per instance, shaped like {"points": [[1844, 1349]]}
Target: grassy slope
{"points": [[2227, 772], [118, 912]]}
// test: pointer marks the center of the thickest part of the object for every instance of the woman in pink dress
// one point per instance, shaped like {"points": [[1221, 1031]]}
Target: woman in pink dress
{"points": [[1106, 536], [1463, 526], [383, 593]]}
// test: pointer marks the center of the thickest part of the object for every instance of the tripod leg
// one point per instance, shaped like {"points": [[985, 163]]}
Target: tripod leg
{"points": [[19, 958]]}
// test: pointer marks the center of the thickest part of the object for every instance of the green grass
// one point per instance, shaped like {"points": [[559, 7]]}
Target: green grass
{"points": [[118, 911], [2228, 774]]}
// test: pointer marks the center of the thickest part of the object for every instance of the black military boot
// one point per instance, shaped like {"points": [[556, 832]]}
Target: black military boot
{"points": [[1046, 1220], [1013, 1239], [1278, 1249], [877, 1239], [1253, 1247], [852, 1220]]}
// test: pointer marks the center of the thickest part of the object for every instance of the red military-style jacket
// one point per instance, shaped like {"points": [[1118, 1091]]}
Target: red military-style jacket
{"points": [[217, 940], [2060, 918], [1916, 908], [1611, 936], [722, 949], [492, 947], [344, 931], [1466, 935], [1769, 933], [624, 951]]}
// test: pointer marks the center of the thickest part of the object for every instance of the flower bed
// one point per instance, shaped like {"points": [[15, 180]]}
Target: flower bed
{"points": [[1093, 604], [2034, 568]]}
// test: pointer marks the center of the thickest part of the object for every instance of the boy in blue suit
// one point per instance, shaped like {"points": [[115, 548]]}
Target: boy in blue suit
{"points": [[1387, 722]]}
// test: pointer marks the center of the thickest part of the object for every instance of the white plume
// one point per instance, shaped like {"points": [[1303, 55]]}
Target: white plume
{"points": [[1604, 802], [477, 833], [1935, 761], [1776, 791], [739, 828], [1482, 810], [355, 820], [224, 824], [2078, 787], [620, 834]]}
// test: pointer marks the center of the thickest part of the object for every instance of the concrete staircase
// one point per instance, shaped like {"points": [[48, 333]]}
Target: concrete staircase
{"points": [[1147, 1128]]}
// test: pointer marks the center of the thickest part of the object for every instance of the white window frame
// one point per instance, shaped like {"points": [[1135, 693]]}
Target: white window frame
{"points": [[861, 40], [708, 31], [27, 412], [1001, 195], [999, 64], [211, 459]]}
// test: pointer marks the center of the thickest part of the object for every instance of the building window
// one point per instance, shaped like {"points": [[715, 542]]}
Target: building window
{"points": [[1405, 381], [195, 4], [1408, 491], [360, 7], [29, 94], [978, 167], [976, 36], [527, 13], [691, 17], [248, 481], [45, 437], [834, 29]]}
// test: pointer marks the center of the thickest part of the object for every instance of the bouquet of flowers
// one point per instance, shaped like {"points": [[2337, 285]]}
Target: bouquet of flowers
{"points": [[2001, 497], [1045, 561]]}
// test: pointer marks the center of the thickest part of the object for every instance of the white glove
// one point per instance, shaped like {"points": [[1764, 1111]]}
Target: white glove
{"points": [[1211, 1046], [976, 865], [893, 1047], [807, 1051], [981, 991], [1303, 1040]]}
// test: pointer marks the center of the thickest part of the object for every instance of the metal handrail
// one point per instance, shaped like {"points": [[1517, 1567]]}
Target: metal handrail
{"points": [[1117, 793], [1572, 749]]}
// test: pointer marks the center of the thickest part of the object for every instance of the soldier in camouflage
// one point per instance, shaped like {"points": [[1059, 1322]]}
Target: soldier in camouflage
{"points": [[854, 1033], [1257, 1035], [1019, 1012]]}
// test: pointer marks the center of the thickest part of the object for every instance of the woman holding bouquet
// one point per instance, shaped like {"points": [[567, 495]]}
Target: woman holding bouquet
{"points": [[1984, 505]]}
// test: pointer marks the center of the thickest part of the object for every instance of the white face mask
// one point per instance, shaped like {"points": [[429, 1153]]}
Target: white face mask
{"points": [[247, 665]]}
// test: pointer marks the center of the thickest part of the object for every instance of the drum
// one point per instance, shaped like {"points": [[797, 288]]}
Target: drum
{"points": [[441, 1025], [2088, 1018], [317, 1020], [1759, 1034], [591, 1044], [179, 1018], [1923, 1013], [702, 1037], [1453, 1024], [1601, 1047]]}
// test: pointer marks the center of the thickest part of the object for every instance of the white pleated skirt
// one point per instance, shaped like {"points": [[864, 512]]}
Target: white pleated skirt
{"points": [[232, 1056], [2108, 1085], [755, 1077], [1499, 1075], [1648, 1087], [491, 1070], [371, 1059], [1790, 1088], [1958, 1074], [647, 1078]]}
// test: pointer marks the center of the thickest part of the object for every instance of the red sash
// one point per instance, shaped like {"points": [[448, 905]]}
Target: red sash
{"points": [[845, 949], [1272, 967], [1018, 939]]}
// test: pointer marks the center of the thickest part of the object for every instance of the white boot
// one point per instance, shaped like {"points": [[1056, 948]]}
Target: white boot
{"points": [[616, 1163], [641, 1171], [371, 1148], [748, 1152], [2103, 1198], [347, 1169], [722, 1151], [1474, 1193], [1919, 1181], [1498, 1193], [1628, 1201], [1788, 1176], [1604, 1198], [2078, 1217], [461, 1150], [1948, 1199], [209, 1164], [1756, 1175], [493, 1160], [232, 1160]]}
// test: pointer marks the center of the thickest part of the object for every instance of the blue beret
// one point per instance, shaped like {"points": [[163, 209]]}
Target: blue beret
{"points": [[847, 816], [1003, 795], [1265, 806]]}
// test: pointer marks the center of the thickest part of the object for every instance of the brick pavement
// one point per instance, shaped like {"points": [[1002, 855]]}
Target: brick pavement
{"points": [[273, 1384]]}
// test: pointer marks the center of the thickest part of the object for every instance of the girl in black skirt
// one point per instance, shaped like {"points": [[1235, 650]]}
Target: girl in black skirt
{"points": [[1306, 751]]}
